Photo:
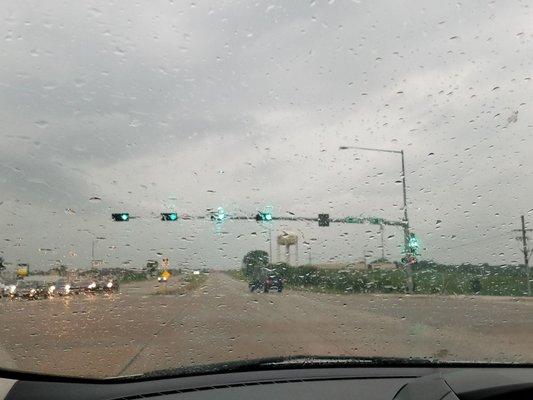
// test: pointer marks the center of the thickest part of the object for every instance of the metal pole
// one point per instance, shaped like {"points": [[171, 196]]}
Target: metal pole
{"points": [[92, 254], [382, 242], [526, 254], [409, 268], [270, 245]]}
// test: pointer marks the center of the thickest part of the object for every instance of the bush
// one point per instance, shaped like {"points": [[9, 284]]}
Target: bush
{"points": [[253, 261], [475, 285]]}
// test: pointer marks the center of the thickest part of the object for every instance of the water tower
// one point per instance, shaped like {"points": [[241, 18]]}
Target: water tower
{"points": [[288, 239]]}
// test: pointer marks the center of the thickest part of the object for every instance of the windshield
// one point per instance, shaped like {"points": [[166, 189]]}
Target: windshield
{"points": [[194, 183]]}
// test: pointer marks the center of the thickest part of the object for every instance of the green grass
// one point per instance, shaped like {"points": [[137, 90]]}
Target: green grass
{"points": [[428, 278], [192, 282], [237, 274], [195, 281], [131, 276]]}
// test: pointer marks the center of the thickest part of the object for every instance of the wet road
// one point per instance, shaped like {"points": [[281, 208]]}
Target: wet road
{"points": [[136, 331]]}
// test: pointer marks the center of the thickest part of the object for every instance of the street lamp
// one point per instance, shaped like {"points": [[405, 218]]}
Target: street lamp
{"points": [[405, 217]]}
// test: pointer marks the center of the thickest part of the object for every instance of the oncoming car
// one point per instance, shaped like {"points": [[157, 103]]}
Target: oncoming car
{"points": [[62, 288], [30, 290], [108, 284], [266, 281]]}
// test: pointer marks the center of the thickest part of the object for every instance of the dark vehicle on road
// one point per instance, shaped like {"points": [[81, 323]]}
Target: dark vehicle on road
{"points": [[31, 290], [273, 282], [84, 286], [62, 288], [266, 281], [108, 284]]}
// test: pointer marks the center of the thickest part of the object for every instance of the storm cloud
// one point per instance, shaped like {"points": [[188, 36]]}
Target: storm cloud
{"points": [[189, 106]]}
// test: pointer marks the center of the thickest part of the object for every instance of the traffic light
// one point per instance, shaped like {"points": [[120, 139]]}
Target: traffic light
{"points": [[120, 217], [219, 215], [263, 216], [409, 260], [172, 216], [323, 219], [413, 245]]}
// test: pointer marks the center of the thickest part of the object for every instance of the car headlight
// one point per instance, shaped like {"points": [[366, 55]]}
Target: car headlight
{"points": [[12, 289], [109, 285], [92, 285], [51, 289], [67, 289]]}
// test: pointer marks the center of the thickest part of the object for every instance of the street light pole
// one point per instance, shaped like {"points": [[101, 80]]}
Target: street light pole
{"points": [[409, 269]]}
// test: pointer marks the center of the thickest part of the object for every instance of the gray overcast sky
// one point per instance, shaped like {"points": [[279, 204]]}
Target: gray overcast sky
{"points": [[192, 105]]}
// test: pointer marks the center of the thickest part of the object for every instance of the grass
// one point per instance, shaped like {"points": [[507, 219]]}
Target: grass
{"points": [[237, 274], [192, 282], [133, 277], [428, 279]]}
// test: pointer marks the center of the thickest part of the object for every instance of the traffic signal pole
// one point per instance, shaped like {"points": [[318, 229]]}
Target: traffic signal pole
{"points": [[405, 224], [408, 266]]}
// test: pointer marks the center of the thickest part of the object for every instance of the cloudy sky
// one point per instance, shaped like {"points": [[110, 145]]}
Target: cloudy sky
{"points": [[187, 106]]}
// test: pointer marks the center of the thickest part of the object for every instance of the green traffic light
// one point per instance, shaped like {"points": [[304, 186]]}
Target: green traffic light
{"points": [[219, 216], [172, 216], [124, 217], [264, 216], [414, 244]]}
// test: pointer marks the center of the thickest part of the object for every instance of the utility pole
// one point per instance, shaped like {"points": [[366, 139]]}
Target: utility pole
{"points": [[382, 242], [525, 251], [270, 245]]}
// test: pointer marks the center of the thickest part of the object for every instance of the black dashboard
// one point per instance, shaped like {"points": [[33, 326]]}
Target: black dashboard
{"points": [[404, 383]]}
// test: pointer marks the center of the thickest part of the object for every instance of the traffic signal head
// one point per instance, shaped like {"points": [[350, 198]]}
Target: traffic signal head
{"points": [[413, 245], [263, 216], [120, 217], [219, 216], [172, 216]]}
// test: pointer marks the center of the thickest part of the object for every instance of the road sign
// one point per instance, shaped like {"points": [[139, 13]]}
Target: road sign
{"points": [[323, 219], [166, 275]]}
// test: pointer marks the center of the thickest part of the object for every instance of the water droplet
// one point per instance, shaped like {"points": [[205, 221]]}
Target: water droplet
{"points": [[41, 124]]}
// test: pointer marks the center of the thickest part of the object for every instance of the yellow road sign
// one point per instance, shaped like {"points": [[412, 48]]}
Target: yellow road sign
{"points": [[165, 275]]}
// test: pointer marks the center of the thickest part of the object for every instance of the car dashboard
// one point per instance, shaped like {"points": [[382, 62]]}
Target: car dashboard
{"points": [[404, 383]]}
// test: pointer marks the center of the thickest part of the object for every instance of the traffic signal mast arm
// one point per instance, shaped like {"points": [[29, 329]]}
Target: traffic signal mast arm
{"points": [[343, 220], [214, 216]]}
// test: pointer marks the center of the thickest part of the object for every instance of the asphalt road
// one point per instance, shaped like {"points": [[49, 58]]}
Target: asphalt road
{"points": [[135, 331]]}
